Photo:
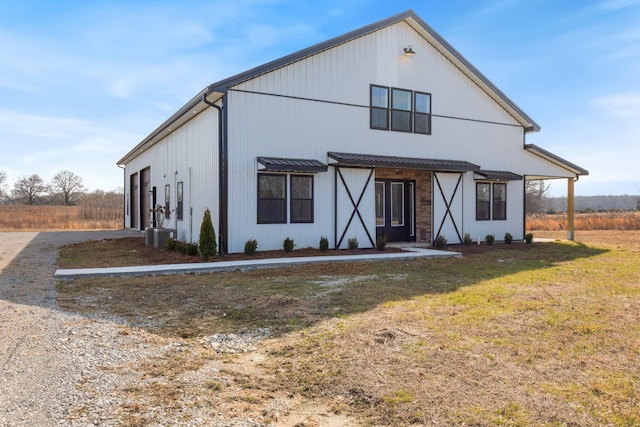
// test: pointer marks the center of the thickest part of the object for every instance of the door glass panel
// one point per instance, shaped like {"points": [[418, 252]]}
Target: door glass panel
{"points": [[397, 203], [412, 228], [380, 204]]}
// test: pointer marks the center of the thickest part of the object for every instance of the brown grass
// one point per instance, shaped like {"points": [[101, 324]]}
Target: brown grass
{"points": [[41, 218], [629, 220], [542, 334]]}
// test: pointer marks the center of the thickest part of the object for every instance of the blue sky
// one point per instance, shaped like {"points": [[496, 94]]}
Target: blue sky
{"points": [[82, 82]]}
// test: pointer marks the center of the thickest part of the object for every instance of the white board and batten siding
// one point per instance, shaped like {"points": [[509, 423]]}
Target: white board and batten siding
{"points": [[188, 155], [321, 104]]}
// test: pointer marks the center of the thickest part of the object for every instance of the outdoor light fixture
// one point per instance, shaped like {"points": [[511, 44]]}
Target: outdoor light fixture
{"points": [[408, 51]]}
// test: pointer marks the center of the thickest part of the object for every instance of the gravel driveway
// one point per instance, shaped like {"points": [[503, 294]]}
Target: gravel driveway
{"points": [[49, 359]]}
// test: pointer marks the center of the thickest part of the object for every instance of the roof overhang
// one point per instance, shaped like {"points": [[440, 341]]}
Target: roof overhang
{"points": [[496, 175], [395, 162], [279, 164], [191, 109], [549, 156]]}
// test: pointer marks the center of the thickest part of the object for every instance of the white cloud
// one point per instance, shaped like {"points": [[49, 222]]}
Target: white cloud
{"points": [[623, 106]]}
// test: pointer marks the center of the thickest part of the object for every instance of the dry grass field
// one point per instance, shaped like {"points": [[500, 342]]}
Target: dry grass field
{"points": [[625, 220], [50, 218], [514, 335]]}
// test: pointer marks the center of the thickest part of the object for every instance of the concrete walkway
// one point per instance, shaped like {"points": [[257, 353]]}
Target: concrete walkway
{"points": [[211, 267]]}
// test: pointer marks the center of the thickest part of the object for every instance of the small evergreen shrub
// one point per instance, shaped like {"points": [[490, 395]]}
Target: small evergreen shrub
{"points": [[171, 244], [508, 238], [381, 242], [324, 244], [288, 245], [467, 240], [207, 241], [192, 249], [440, 242], [528, 237], [489, 238], [181, 247], [352, 243], [250, 247]]}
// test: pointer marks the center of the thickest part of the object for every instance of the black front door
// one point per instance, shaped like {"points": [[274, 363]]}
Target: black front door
{"points": [[395, 209]]}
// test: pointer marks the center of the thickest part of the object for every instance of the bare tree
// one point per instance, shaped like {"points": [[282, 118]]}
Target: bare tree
{"points": [[3, 181], [29, 188], [68, 186], [536, 193]]}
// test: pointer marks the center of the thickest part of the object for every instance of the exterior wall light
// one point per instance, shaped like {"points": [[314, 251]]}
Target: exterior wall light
{"points": [[408, 51]]}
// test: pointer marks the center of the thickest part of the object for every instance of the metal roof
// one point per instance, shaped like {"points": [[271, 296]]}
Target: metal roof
{"points": [[352, 159], [218, 89], [278, 164], [498, 175], [549, 156]]}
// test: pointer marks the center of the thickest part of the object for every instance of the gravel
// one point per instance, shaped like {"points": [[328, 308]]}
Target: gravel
{"points": [[59, 368]]}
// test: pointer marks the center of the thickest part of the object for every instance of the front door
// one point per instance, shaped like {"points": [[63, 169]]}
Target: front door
{"points": [[395, 210]]}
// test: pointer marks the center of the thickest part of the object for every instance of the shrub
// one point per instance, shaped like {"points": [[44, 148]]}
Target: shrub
{"points": [[288, 245], [171, 244], [181, 247], [381, 242], [352, 243], [508, 238], [489, 238], [192, 249], [440, 242], [324, 244], [207, 243], [250, 247], [467, 240], [528, 237]]}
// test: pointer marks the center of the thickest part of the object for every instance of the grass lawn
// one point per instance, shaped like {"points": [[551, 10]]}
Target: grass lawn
{"points": [[545, 334]]}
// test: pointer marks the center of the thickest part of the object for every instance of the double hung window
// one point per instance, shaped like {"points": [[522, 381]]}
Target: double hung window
{"points": [[400, 110], [273, 197], [491, 201]]}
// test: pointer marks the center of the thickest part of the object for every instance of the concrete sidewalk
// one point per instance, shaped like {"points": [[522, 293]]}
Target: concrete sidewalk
{"points": [[211, 267]]}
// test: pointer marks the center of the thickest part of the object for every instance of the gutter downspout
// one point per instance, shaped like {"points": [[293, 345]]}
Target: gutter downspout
{"points": [[222, 176], [124, 196]]}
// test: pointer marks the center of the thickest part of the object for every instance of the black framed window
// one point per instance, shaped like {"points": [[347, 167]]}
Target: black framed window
{"points": [[167, 201], [483, 201], [301, 198], [272, 199], [491, 201], [499, 202], [422, 113], [379, 115], [401, 108], [179, 201]]}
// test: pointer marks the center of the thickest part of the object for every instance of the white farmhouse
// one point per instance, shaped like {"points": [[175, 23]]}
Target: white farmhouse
{"points": [[386, 130]]}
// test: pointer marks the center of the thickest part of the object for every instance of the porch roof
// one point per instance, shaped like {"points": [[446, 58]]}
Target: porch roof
{"points": [[441, 165], [279, 164], [497, 175]]}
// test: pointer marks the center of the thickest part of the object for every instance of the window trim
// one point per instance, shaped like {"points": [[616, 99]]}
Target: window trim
{"points": [[258, 199], [409, 111], [492, 202], [373, 108], [291, 199], [417, 113], [180, 200]]}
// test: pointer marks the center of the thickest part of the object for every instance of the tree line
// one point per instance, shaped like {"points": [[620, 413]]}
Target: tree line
{"points": [[66, 188]]}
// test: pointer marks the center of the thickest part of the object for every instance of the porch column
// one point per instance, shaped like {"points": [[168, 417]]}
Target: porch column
{"points": [[570, 209]]}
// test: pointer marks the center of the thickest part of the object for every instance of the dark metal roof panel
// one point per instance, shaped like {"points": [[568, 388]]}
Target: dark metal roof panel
{"points": [[352, 159], [278, 164], [547, 155], [498, 175]]}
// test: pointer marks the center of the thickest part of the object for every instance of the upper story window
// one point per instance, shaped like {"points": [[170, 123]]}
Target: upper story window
{"points": [[379, 107], [422, 113], [400, 110]]}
